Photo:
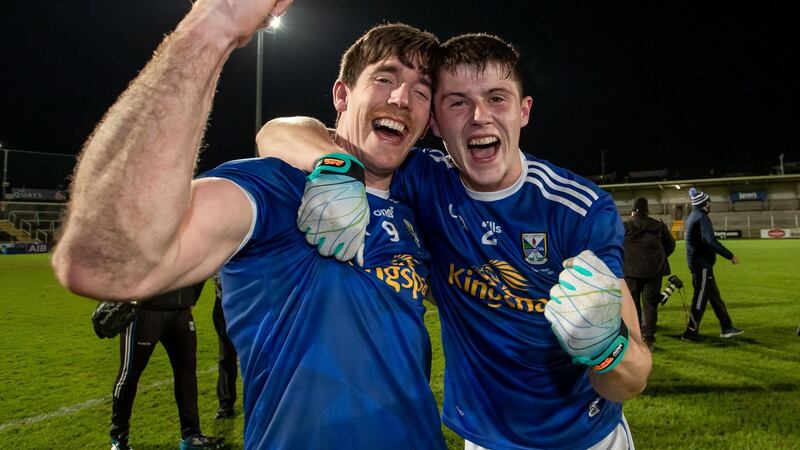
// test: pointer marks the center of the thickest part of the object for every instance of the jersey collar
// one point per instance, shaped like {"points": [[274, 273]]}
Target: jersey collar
{"points": [[503, 193], [378, 193]]}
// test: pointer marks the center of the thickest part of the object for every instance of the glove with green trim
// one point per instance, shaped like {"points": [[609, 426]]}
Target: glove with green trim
{"points": [[334, 212], [584, 313]]}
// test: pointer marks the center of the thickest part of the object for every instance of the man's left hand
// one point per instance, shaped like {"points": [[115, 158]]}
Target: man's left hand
{"points": [[584, 312]]}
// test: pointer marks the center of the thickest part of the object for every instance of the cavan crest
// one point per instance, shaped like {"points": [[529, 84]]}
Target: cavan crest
{"points": [[534, 247]]}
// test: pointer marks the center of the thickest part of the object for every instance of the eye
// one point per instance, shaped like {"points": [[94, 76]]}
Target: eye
{"points": [[457, 103], [497, 98], [422, 95]]}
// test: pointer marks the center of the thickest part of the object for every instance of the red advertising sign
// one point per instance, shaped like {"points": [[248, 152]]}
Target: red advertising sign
{"points": [[776, 233]]}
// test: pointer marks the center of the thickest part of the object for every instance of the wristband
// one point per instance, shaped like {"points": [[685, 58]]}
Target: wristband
{"points": [[338, 163], [612, 355]]}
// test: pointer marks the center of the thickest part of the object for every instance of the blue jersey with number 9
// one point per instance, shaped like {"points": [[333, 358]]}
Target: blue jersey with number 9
{"points": [[332, 355]]}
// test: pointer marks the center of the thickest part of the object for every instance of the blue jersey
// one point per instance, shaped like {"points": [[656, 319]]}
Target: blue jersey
{"points": [[331, 355], [508, 384]]}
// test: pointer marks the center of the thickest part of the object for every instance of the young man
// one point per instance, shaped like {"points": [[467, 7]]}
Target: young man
{"points": [[518, 331], [331, 355], [702, 248]]}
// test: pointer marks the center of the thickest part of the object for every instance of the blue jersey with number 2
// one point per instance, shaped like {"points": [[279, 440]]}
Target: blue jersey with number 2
{"points": [[508, 383]]}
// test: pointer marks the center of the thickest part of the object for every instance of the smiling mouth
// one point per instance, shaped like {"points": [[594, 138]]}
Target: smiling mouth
{"points": [[389, 127], [483, 148]]}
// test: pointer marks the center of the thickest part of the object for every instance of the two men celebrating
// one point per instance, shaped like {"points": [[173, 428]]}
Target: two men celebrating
{"points": [[333, 354]]}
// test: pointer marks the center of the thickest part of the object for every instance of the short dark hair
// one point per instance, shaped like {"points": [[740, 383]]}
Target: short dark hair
{"points": [[383, 41], [478, 50]]}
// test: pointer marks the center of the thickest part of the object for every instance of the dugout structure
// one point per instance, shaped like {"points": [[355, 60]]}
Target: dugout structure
{"points": [[33, 198]]}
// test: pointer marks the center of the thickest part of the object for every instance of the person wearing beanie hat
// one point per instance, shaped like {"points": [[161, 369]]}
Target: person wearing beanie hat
{"points": [[701, 250], [698, 198], [648, 243]]}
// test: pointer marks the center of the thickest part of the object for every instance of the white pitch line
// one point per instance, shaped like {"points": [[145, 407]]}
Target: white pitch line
{"points": [[66, 410]]}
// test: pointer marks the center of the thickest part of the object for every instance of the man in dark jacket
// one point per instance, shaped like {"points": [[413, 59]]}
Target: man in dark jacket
{"points": [[165, 318], [648, 243], [701, 250]]}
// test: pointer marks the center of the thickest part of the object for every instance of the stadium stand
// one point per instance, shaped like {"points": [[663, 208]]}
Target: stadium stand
{"points": [[12, 234], [30, 222], [742, 205]]}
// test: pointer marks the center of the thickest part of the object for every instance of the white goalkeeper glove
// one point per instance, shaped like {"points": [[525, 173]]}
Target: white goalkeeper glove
{"points": [[584, 313], [334, 212]]}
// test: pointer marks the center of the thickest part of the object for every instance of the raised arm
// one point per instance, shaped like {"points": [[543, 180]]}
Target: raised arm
{"points": [[136, 224], [298, 141]]}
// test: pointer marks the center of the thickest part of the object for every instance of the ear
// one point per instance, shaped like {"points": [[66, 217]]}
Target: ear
{"points": [[434, 126], [340, 93], [525, 105], [425, 131]]}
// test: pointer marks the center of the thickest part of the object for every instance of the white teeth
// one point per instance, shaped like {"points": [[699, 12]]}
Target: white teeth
{"points": [[483, 141], [389, 123]]}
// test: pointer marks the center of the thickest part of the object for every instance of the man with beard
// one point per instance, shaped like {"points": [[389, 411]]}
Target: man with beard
{"points": [[539, 330], [332, 355]]}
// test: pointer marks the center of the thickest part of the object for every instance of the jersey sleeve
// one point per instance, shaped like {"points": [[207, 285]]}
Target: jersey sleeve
{"points": [[602, 232], [274, 189]]}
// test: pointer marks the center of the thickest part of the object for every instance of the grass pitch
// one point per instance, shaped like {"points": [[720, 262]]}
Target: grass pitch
{"points": [[741, 393]]}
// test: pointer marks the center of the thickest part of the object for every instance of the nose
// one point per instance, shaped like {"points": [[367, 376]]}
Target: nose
{"points": [[481, 114], [400, 96]]}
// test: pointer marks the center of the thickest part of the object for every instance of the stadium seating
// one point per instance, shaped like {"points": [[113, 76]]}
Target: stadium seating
{"points": [[31, 223], [12, 234]]}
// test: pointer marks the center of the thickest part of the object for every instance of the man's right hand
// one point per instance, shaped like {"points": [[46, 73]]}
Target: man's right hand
{"points": [[241, 17], [334, 212]]}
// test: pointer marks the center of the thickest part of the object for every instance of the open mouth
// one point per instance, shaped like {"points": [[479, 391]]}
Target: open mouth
{"points": [[389, 128], [483, 148]]}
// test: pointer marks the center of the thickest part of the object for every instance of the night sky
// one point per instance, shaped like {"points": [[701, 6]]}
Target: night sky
{"points": [[700, 90]]}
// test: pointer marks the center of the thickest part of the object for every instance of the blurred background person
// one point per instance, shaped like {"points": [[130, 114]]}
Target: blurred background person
{"points": [[648, 244], [165, 318], [702, 249], [227, 366]]}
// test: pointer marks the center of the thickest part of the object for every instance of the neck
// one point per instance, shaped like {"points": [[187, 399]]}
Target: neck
{"points": [[371, 178], [508, 180]]}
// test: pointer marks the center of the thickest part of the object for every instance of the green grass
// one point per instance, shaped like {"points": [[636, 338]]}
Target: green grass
{"points": [[742, 393]]}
